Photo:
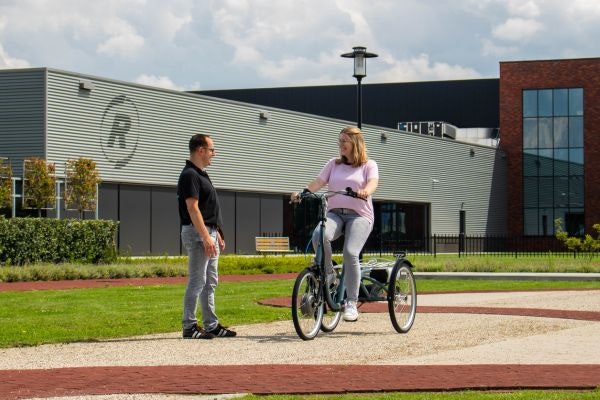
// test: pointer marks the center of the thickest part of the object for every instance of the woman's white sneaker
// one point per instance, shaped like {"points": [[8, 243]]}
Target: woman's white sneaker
{"points": [[350, 311]]}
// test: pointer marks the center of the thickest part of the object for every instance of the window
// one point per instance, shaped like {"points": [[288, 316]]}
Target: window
{"points": [[553, 163]]}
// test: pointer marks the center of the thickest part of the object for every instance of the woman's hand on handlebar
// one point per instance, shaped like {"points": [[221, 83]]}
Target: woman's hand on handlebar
{"points": [[362, 193], [295, 197]]}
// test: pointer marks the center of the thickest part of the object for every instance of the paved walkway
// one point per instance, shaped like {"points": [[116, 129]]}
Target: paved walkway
{"points": [[497, 345]]}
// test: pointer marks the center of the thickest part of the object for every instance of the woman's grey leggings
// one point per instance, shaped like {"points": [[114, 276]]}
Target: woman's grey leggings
{"points": [[356, 230]]}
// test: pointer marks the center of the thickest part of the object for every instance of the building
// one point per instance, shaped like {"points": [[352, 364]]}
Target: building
{"points": [[550, 133], [547, 113], [138, 137]]}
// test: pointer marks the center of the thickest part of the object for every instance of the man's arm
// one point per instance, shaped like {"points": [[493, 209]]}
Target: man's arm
{"points": [[198, 221]]}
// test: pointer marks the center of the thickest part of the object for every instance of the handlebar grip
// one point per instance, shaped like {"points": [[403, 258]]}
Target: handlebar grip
{"points": [[350, 192]]}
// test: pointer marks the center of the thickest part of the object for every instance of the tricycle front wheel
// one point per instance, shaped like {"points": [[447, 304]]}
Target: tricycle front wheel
{"points": [[307, 305]]}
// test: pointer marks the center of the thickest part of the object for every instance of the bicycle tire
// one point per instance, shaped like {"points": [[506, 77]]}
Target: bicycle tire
{"points": [[331, 318], [331, 296], [402, 296], [307, 305]]}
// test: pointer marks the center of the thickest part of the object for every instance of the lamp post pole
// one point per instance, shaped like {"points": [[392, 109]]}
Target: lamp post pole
{"points": [[360, 55]]}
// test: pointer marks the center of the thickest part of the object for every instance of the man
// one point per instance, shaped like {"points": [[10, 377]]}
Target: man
{"points": [[202, 237]]}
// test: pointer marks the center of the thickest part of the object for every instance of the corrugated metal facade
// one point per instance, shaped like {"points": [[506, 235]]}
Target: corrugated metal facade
{"points": [[22, 115], [139, 135]]}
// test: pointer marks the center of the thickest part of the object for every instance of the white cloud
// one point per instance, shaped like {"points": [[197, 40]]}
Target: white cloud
{"points": [[124, 41], [7, 61], [491, 49], [524, 9], [421, 68], [158, 81], [584, 11], [517, 29]]}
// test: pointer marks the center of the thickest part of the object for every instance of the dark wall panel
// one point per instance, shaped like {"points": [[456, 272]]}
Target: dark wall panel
{"points": [[247, 222], [271, 214], [165, 221], [227, 201], [108, 201], [134, 233]]}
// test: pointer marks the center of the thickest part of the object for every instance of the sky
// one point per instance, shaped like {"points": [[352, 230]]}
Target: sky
{"points": [[235, 44]]}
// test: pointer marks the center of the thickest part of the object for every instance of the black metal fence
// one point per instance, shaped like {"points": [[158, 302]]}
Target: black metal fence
{"points": [[477, 245], [463, 245]]}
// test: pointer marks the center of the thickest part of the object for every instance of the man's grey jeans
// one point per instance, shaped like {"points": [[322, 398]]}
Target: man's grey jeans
{"points": [[203, 278]]}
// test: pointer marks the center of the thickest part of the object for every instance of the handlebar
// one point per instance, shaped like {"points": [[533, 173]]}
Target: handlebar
{"points": [[348, 192]]}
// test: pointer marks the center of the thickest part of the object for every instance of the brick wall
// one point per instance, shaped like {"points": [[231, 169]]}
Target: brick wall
{"points": [[516, 76]]}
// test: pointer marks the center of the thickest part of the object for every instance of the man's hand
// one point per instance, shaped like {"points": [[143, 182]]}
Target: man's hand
{"points": [[221, 242], [210, 247]]}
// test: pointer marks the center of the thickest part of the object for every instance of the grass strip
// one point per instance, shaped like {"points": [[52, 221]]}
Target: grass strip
{"points": [[59, 316]]}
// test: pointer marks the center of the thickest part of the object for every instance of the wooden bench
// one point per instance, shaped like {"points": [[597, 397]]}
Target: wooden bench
{"points": [[276, 244]]}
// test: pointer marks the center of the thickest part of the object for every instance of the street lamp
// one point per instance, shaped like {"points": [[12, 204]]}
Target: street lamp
{"points": [[360, 55]]}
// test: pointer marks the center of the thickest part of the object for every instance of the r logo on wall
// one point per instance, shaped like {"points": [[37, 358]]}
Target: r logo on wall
{"points": [[120, 131]]}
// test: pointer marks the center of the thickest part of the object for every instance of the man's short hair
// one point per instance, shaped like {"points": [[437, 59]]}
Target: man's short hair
{"points": [[198, 140]]}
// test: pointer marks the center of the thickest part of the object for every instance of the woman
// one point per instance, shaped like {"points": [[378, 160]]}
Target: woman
{"points": [[346, 215]]}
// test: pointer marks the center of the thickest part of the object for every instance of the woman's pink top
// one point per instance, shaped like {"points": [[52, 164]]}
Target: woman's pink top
{"points": [[341, 176]]}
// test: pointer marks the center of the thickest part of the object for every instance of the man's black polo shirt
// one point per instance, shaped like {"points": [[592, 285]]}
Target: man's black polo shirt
{"points": [[193, 182]]}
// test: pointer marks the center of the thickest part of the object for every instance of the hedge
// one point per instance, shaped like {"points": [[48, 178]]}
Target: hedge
{"points": [[33, 240]]}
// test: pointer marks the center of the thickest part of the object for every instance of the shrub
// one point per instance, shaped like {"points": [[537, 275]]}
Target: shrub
{"points": [[39, 185], [587, 244], [5, 184], [81, 182], [33, 240]]}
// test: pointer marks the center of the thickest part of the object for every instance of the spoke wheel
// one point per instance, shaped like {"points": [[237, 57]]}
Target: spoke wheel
{"points": [[402, 297], [307, 305]]}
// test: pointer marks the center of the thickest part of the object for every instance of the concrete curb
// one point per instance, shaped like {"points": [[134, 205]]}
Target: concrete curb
{"points": [[517, 276]]}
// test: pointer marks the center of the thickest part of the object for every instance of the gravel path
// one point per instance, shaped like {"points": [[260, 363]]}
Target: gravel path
{"points": [[435, 339]]}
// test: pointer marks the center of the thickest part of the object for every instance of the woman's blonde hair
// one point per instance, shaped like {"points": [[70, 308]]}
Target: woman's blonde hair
{"points": [[359, 149]]}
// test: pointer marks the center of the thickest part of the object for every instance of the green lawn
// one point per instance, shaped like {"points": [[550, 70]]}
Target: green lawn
{"points": [[91, 314]]}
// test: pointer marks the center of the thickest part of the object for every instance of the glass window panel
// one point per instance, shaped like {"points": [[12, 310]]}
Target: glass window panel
{"points": [[561, 191], [545, 103], [530, 162], [560, 213], [561, 132], [561, 102], [575, 131], [530, 138], [530, 221], [576, 101], [530, 103], [545, 220], [576, 191], [561, 162], [575, 222], [576, 161], [545, 162], [545, 133], [530, 192], [545, 190]]}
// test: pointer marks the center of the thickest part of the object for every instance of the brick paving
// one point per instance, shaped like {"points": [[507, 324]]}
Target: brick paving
{"points": [[267, 379]]}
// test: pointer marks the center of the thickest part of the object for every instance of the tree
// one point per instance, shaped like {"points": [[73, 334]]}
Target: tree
{"points": [[39, 184], [81, 183], [588, 244], [5, 183]]}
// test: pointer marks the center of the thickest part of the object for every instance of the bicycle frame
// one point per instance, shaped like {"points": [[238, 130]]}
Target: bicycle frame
{"points": [[334, 303]]}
